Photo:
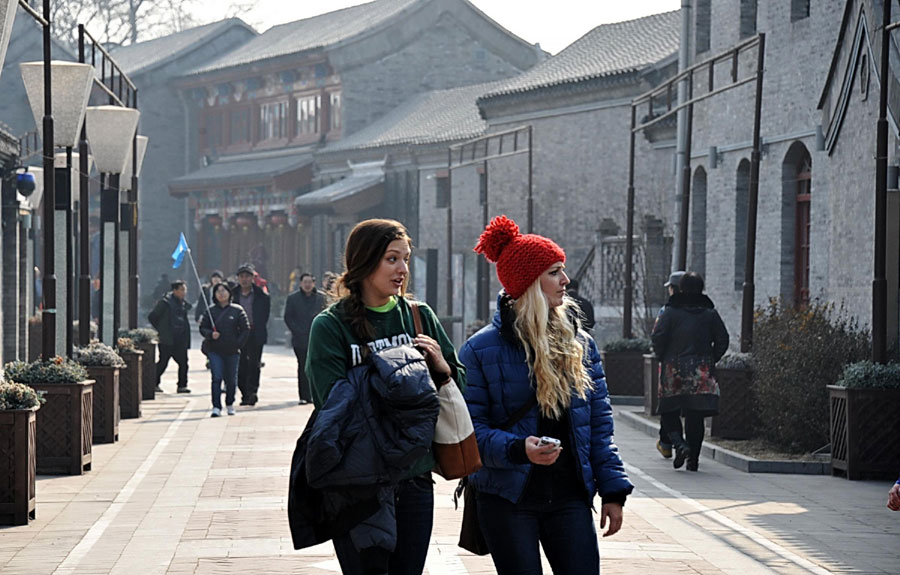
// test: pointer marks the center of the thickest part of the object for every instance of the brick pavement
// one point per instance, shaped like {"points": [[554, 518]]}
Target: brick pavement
{"points": [[184, 493]]}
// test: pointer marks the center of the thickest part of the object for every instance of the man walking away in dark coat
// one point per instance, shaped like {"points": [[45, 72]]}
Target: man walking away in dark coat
{"points": [[587, 308], [301, 307], [257, 305], [170, 319]]}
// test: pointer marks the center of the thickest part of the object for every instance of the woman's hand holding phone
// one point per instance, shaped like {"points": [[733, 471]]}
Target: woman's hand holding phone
{"points": [[541, 454]]}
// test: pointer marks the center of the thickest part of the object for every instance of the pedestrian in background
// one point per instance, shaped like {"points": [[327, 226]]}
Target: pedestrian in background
{"points": [[215, 278], [257, 305], [584, 304], [689, 338], [894, 497], [664, 444], [225, 330], [170, 319], [372, 314], [301, 307], [541, 473]]}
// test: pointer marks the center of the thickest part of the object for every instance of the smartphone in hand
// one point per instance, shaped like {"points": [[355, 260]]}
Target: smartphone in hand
{"points": [[549, 442]]}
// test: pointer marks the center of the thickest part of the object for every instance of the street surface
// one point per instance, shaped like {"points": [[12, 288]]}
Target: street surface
{"points": [[185, 493]]}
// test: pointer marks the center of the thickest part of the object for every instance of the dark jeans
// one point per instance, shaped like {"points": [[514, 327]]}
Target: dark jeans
{"points": [[414, 508], [178, 352], [565, 529], [223, 367], [693, 430], [302, 382], [248, 372]]}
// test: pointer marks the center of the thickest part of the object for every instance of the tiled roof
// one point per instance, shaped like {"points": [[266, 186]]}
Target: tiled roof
{"points": [[144, 55], [606, 50], [320, 31], [240, 170], [431, 117], [341, 190]]}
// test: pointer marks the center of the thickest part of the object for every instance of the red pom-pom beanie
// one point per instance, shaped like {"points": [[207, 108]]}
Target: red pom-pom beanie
{"points": [[520, 259]]}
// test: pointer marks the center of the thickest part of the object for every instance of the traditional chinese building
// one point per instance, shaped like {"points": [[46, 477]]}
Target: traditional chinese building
{"points": [[257, 114]]}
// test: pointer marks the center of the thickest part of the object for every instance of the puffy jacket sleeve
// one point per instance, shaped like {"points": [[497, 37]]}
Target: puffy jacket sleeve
{"points": [[607, 466], [660, 336], [206, 329], [242, 327], [493, 444]]}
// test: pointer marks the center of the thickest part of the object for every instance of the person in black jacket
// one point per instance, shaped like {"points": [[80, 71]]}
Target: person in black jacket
{"points": [[206, 297], [301, 307], [584, 304], [257, 305], [170, 319], [689, 338], [225, 329]]}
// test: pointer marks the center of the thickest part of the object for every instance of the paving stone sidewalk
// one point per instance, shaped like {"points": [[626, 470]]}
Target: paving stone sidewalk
{"points": [[185, 493]]}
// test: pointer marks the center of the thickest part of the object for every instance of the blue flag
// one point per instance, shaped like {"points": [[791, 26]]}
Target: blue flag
{"points": [[180, 250]]}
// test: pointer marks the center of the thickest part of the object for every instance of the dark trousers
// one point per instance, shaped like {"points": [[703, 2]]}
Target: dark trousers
{"points": [[564, 528], [248, 372], [692, 432], [414, 509], [302, 382], [178, 352], [223, 368]]}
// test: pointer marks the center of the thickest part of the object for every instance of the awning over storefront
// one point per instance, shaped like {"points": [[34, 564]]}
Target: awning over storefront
{"points": [[351, 195], [246, 171]]}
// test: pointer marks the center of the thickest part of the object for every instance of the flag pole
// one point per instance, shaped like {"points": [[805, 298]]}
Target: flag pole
{"points": [[202, 293]]}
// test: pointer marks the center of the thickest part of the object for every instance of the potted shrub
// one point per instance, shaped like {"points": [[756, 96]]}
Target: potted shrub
{"points": [[18, 404], [103, 365], [64, 422], [737, 400], [623, 362], [865, 427], [130, 376], [651, 383], [145, 339]]}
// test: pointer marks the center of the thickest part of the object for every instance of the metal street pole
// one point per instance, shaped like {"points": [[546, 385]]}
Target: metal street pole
{"points": [[48, 315], [879, 281]]}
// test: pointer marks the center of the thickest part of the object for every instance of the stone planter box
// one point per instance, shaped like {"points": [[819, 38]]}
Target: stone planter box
{"points": [[18, 460], [148, 365], [65, 428], [624, 372], [651, 384], [106, 403], [737, 404], [865, 432], [130, 384]]}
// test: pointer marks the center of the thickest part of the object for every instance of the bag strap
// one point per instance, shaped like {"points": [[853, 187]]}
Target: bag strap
{"points": [[417, 317], [519, 414]]}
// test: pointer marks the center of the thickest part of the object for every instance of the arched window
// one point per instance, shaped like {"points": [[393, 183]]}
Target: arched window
{"points": [[703, 24], [698, 223], [799, 10], [796, 193], [748, 18], [741, 208]]}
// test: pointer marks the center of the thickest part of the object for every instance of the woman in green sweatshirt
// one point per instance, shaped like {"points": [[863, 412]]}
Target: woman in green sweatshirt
{"points": [[371, 314]]}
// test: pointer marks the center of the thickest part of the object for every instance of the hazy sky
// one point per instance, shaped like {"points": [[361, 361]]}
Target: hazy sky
{"points": [[553, 23]]}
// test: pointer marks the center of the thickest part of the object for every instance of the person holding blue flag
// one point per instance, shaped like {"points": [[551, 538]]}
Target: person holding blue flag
{"points": [[170, 319]]}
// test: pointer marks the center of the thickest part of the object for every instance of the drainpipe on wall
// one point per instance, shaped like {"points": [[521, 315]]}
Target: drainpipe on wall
{"points": [[684, 61]]}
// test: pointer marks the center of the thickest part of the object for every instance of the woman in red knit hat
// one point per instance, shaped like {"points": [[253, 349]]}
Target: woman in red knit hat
{"points": [[539, 403]]}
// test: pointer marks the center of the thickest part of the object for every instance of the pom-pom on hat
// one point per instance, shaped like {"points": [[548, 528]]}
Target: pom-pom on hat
{"points": [[520, 259]]}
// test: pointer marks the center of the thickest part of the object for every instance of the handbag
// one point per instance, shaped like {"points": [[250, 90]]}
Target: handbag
{"points": [[471, 537], [455, 448]]}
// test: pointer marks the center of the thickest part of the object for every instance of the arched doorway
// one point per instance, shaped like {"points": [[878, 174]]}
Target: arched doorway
{"points": [[796, 228], [697, 261]]}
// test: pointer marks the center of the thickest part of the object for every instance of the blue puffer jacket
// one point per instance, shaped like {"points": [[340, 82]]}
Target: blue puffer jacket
{"points": [[499, 384]]}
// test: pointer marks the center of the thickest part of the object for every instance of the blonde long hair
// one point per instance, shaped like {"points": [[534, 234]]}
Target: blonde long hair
{"points": [[554, 355]]}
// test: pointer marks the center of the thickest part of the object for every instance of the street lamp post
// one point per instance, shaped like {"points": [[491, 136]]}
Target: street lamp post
{"points": [[111, 131], [71, 91], [129, 230]]}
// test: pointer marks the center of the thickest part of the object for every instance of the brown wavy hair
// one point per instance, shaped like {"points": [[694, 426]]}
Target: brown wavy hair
{"points": [[365, 247]]}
